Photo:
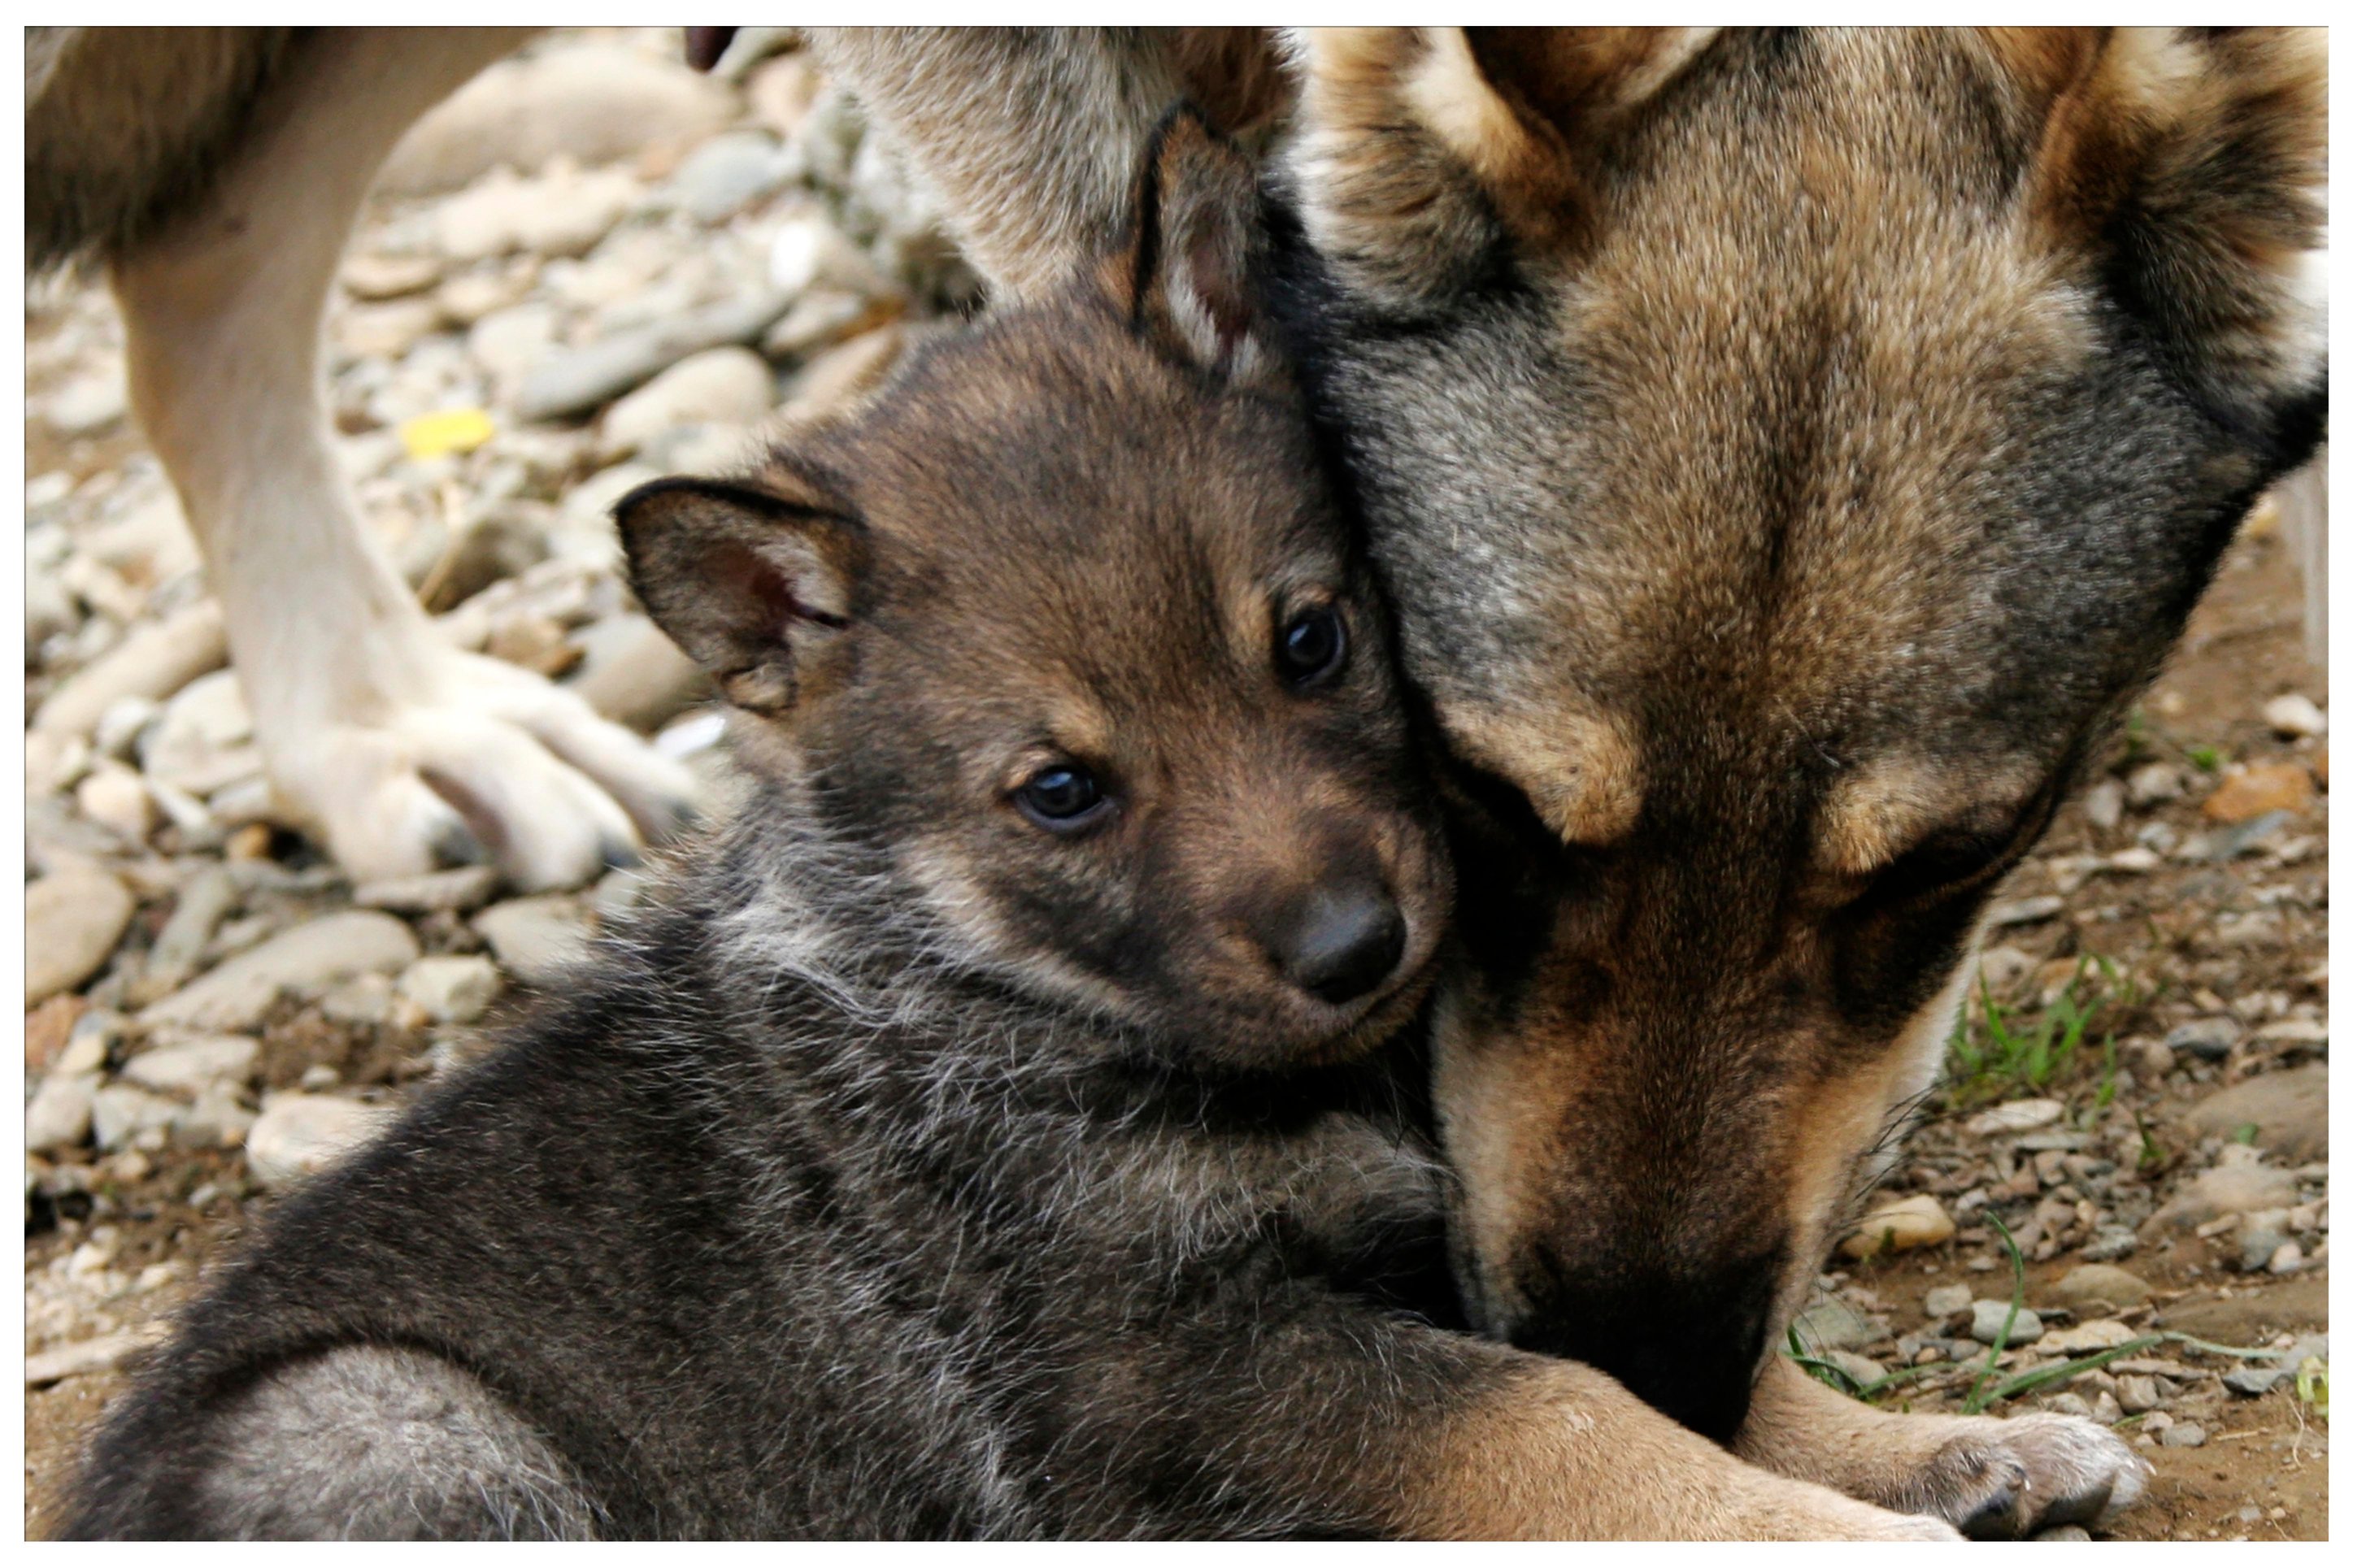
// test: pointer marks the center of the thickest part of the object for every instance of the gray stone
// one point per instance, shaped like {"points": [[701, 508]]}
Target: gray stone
{"points": [[2064, 1532], [1860, 1368], [2209, 1039], [91, 1041], [189, 1067], [72, 921], [2289, 1112], [535, 938], [726, 174], [2136, 1393], [2095, 1286], [298, 1135], [819, 319], [116, 799], [205, 899], [593, 101], [2104, 805], [2025, 911], [154, 660], [452, 989], [465, 887], [728, 386], [104, 1353], [310, 957], [2184, 1435], [562, 213], [2224, 1190], [1832, 1325], [57, 1115], [2293, 714], [365, 999], [2152, 784], [2018, 1116], [582, 379], [88, 403], [632, 673], [214, 1118], [2256, 1245], [120, 1112], [1988, 1317], [2110, 1242], [2066, 1403], [1946, 1301]]}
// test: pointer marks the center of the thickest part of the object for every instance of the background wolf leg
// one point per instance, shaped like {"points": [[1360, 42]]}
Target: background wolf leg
{"points": [[399, 749]]}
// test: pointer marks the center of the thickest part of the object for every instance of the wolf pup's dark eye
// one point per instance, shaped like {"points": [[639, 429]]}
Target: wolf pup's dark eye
{"points": [[1312, 646], [1060, 797]]}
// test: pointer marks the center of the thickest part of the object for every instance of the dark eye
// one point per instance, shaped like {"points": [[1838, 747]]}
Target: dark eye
{"points": [[1060, 797], [1312, 646]]}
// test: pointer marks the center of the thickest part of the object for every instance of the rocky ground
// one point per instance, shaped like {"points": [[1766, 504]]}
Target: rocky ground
{"points": [[594, 267]]}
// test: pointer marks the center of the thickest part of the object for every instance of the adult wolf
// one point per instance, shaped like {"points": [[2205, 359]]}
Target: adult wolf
{"points": [[1789, 451]]}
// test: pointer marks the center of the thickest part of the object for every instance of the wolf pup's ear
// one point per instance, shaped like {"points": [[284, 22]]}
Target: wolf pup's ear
{"points": [[2186, 169], [1424, 154], [757, 581], [1185, 276]]}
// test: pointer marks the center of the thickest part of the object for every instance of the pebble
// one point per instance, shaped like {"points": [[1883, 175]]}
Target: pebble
{"points": [[234, 995], [2287, 1258], [374, 276], [386, 331], [2223, 1191], [810, 252], [536, 938], [842, 374], [2104, 805], [2094, 1334], [2064, 1532], [2103, 1285], [461, 889], [727, 385], [72, 921], [2153, 783], [596, 103], [2259, 788], [205, 901], [1988, 1317], [120, 1111], [580, 380], [1832, 1325], [632, 673], [193, 1065], [57, 1115], [726, 174], [88, 403], [1899, 1226], [1860, 1368], [2018, 1116], [821, 317], [153, 660], [2025, 911], [103, 1352], [2291, 714], [2209, 1039], [2184, 1435], [217, 1118], [452, 989], [2136, 1393], [564, 212], [298, 1135], [116, 798], [2289, 1109], [1946, 1301]]}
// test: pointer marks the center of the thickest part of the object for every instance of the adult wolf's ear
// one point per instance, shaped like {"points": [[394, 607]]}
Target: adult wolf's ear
{"points": [[1424, 152], [2188, 166], [758, 580], [1185, 274]]}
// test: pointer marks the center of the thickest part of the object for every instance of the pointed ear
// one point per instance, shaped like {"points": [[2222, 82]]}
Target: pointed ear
{"points": [[1424, 154], [757, 581], [2190, 166], [1185, 275]]}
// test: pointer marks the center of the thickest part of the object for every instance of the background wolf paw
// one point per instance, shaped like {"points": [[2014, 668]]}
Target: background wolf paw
{"points": [[501, 766], [2007, 1479]]}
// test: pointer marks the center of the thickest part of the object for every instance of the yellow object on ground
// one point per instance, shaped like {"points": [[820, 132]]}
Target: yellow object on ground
{"points": [[446, 430]]}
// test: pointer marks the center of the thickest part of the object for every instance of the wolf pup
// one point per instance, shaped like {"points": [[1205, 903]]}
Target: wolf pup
{"points": [[987, 1134]]}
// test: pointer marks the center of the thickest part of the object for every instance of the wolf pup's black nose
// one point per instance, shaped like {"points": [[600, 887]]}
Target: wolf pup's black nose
{"points": [[1340, 942]]}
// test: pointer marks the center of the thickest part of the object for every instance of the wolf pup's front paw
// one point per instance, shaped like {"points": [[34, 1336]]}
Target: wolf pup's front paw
{"points": [[2008, 1479]]}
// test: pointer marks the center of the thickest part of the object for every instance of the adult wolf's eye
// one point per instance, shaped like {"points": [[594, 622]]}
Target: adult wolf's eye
{"points": [[1312, 647], [1060, 797]]}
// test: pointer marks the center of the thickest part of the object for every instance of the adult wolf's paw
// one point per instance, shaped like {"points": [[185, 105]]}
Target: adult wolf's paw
{"points": [[480, 759], [2007, 1479]]}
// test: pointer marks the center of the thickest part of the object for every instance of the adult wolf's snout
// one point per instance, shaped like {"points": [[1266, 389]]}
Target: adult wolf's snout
{"points": [[1688, 1344]]}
